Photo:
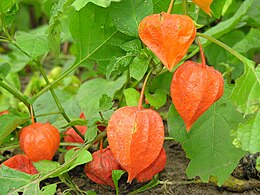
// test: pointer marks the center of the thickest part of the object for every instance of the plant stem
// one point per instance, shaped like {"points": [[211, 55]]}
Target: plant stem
{"points": [[73, 67], [168, 138], [16, 93], [9, 147], [142, 92], [170, 7], [185, 7], [57, 102], [229, 49]]}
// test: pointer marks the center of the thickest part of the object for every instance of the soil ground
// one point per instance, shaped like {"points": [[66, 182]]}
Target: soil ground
{"points": [[174, 171]]}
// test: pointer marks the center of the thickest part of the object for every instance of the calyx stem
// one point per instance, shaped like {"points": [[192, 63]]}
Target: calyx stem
{"points": [[203, 61], [170, 7], [142, 92]]}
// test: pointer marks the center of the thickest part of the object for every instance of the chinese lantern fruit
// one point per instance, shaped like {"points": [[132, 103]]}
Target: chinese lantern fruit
{"points": [[156, 167], [100, 168], [194, 88], [39, 141], [169, 36], [71, 136], [21, 162], [135, 137], [204, 5]]}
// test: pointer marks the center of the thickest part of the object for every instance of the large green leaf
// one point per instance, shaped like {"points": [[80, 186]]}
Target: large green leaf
{"points": [[251, 41], [248, 134], [91, 91], [246, 91], [33, 44], [95, 36], [127, 14], [9, 122], [209, 144], [226, 26], [11, 180], [46, 104], [79, 4]]}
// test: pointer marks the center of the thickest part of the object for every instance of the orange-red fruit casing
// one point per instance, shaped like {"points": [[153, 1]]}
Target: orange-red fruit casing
{"points": [[135, 137], [71, 136], [156, 167], [169, 36], [204, 5], [100, 168], [21, 162], [39, 141], [194, 89]]}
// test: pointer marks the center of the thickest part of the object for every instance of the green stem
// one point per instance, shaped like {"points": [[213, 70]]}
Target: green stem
{"points": [[168, 138], [185, 7], [15, 93], [223, 45], [57, 101], [9, 147], [142, 92]]}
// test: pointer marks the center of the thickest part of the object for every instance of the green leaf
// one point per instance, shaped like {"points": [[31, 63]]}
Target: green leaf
{"points": [[79, 4], [116, 175], [12, 179], [217, 7], [90, 192], [91, 133], [83, 156], [49, 189], [91, 91], [248, 134], [209, 144], [96, 39], [132, 96], [246, 91], [33, 44], [54, 33], [127, 15], [105, 103], [45, 104], [252, 17], [118, 65], [154, 182], [133, 45], [45, 166], [226, 26], [5, 69], [9, 122], [157, 99], [138, 67], [251, 41]]}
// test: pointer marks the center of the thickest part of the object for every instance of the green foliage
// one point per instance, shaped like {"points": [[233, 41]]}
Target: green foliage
{"points": [[9, 122], [91, 91], [209, 143], [116, 175], [33, 44], [246, 91], [247, 134], [127, 21], [131, 97]]}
